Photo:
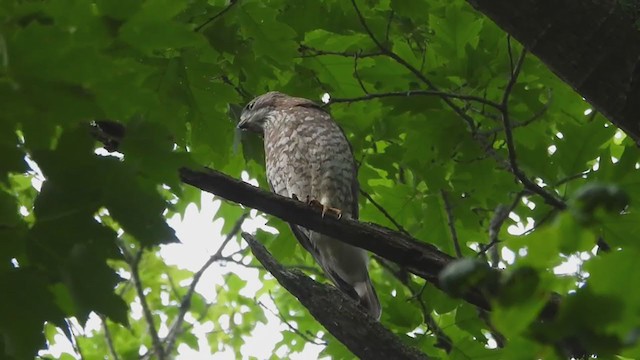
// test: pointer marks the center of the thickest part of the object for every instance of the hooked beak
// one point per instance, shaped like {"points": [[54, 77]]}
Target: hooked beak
{"points": [[243, 124]]}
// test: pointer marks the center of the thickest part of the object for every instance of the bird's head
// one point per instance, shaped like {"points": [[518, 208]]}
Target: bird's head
{"points": [[256, 113]]}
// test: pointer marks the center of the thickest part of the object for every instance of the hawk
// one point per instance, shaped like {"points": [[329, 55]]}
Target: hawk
{"points": [[309, 157]]}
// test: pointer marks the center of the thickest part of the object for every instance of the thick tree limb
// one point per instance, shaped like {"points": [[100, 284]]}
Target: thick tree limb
{"points": [[421, 259], [340, 315], [594, 46]]}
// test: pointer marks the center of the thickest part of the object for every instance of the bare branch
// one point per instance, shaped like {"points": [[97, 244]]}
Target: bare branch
{"points": [[357, 74], [510, 52], [399, 273], [313, 52], [451, 222], [384, 212], [242, 92], [500, 214], [74, 336], [134, 262], [581, 175], [548, 197], [537, 115], [311, 269], [216, 16], [515, 72], [304, 336], [388, 31], [409, 93], [108, 338], [186, 300]]}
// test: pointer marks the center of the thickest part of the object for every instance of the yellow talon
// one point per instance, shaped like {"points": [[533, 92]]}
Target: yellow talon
{"points": [[324, 208]]}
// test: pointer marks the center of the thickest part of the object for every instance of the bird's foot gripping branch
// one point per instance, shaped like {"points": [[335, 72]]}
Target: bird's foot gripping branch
{"points": [[419, 258]]}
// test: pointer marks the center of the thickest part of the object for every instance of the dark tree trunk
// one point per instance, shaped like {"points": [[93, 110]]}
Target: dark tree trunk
{"points": [[593, 45]]}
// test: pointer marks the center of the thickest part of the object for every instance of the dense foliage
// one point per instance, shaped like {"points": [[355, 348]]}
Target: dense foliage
{"points": [[463, 140]]}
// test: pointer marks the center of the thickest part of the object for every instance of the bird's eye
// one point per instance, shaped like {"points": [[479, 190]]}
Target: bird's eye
{"points": [[250, 105]]}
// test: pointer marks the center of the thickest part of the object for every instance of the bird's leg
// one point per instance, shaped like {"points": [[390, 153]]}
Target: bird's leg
{"points": [[324, 208]]}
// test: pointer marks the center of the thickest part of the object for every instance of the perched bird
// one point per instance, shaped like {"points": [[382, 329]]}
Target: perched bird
{"points": [[309, 158]]}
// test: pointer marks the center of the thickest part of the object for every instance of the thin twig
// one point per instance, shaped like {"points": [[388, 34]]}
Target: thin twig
{"points": [[416, 295], [386, 33], [495, 333], [410, 67], [186, 300], [408, 93], [451, 222], [509, 51], [242, 92], [74, 336], [384, 212], [546, 217], [313, 52], [216, 16], [513, 77], [516, 124], [443, 341], [134, 263], [357, 74], [108, 338], [581, 175], [500, 214], [513, 160], [304, 336], [311, 269], [172, 284]]}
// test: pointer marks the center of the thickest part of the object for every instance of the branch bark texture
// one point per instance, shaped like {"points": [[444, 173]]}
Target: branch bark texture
{"points": [[421, 259], [341, 316]]}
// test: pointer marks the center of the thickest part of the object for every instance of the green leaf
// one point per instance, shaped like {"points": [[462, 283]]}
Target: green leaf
{"points": [[461, 275], [23, 310]]}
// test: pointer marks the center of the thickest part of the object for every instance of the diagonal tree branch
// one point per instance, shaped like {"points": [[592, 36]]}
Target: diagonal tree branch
{"points": [[423, 259], [216, 16], [419, 258], [108, 339], [340, 315], [186, 299], [134, 262], [384, 212]]}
